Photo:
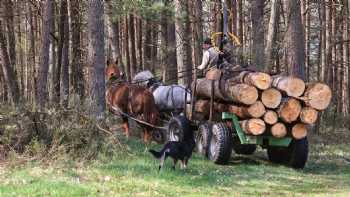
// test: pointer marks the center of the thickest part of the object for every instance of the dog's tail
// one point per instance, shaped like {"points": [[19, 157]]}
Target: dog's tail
{"points": [[156, 154]]}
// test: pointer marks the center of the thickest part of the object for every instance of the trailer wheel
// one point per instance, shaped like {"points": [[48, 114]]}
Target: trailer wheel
{"points": [[203, 138], [243, 149], [177, 127], [220, 147], [295, 155], [298, 153]]}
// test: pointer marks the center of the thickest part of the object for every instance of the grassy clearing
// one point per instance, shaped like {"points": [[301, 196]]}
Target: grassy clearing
{"points": [[326, 174]]}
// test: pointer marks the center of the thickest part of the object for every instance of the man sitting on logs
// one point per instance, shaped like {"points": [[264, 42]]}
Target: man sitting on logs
{"points": [[211, 58]]}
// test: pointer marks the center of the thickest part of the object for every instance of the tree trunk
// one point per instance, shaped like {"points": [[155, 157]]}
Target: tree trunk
{"points": [[294, 40], [65, 55], [77, 65], [96, 56], [45, 49], [182, 41], [8, 72], [126, 48], [272, 34], [9, 11], [132, 40], [257, 15]]}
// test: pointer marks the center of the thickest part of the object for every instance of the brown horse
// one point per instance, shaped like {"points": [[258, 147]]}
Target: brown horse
{"points": [[134, 100]]}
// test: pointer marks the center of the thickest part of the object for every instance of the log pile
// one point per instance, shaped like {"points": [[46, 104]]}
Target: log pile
{"points": [[265, 105]]}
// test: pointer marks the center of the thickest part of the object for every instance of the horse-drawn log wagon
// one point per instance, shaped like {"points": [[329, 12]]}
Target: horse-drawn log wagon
{"points": [[252, 109]]}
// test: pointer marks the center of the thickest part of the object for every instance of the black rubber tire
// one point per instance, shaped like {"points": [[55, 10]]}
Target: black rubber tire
{"points": [[220, 147], [203, 138], [277, 154], [178, 126], [243, 149], [295, 155], [298, 153]]}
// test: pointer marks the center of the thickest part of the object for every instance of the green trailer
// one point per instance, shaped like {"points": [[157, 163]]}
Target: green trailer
{"points": [[217, 140]]}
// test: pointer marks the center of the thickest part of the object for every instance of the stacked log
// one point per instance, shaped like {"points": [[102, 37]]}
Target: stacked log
{"points": [[271, 105]]}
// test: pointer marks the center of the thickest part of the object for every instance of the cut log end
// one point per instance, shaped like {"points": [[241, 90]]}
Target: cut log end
{"points": [[271, 98], [256, 110], [299, 131], [270, 117], [253, 126], [260, 80], [292, 86], [243, 93], [308, 115], [289, 110], [279, 130], [318, 96]]}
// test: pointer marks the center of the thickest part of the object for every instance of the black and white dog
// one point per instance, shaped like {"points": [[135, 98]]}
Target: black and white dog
{"points": [[181, 150]]}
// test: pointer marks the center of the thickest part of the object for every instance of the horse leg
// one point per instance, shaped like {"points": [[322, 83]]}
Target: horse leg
{"points": [[125, 126], [146, 135]]}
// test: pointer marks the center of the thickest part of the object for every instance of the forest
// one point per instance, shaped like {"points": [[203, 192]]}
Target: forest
{"points": [[54, 109]]}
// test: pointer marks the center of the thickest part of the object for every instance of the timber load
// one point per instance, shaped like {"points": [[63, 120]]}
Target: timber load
{"points": [[276, 105]]}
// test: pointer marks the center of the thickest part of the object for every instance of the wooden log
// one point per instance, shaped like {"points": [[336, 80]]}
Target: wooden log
{"points": [[289, 110], [271, 98], [256, 110], [317, 96], [259, 80], [203, 106], [253, 126], [291, 86], [279, 130], [203, 89], [242, 93], [299, 131], [308, 115], [270, 117]]}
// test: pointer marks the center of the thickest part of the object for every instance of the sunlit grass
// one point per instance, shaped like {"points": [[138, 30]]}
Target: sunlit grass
{"points": [[326, 174]]}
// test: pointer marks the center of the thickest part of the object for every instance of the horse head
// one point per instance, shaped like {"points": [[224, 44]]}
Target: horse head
{"points": [[112, 71]]}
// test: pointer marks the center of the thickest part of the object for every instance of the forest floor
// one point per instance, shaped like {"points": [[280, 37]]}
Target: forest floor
{"points": [[327, 174]]}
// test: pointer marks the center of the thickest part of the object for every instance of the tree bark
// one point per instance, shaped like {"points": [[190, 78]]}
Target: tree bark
{"points": [[257, 15], [271, 35], [65, 55], [182, 41], [294, 40], [77, 63], [45, 49], [96, 56], [8, 71]]}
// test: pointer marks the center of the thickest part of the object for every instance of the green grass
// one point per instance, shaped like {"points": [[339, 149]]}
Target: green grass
{"points": [[327, 174]]}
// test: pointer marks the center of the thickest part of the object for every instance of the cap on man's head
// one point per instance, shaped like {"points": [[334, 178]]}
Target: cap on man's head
{"points": [[207, 41]]}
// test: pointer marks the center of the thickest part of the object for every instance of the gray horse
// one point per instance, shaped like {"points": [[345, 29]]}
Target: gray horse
{"points": [[168, 97]]}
